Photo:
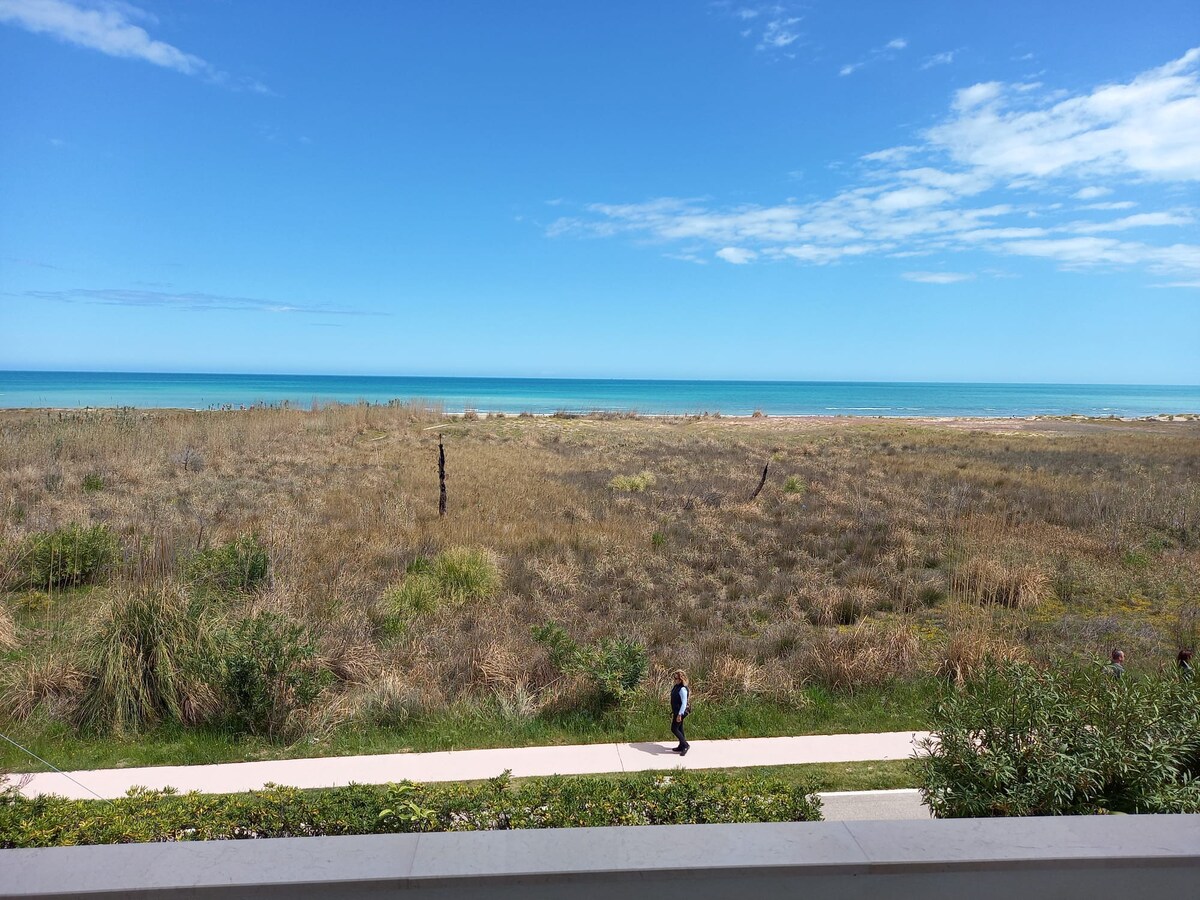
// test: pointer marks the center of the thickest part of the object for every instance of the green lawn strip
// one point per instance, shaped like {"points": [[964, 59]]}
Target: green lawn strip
{"points": [[898, 707]]}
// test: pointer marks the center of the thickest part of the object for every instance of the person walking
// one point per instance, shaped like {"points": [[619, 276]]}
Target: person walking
{"points": [[1184, 662], [679, 711], [1116, 668]]}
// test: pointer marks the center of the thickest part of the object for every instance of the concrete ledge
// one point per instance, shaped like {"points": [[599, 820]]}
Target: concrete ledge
{"points": [[979, 858]]}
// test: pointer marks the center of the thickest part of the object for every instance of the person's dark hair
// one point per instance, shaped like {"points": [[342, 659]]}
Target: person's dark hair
{"points": [[1117, 655], [1184, 657]]}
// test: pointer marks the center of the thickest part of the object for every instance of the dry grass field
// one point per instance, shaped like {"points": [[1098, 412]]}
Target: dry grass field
{"points": [[877, 550]]}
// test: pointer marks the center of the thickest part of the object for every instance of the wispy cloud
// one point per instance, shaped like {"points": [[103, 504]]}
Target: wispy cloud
{"points": [[886, 52], [944, 58], [774, 27], [938, 277], [110, 29], [992, 176], [194, 301]]}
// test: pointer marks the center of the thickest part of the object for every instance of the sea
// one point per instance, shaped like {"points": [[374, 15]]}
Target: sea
{"points": [[586, 395]]}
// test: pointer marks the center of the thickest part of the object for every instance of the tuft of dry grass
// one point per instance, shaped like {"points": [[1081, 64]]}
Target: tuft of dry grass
{"points": [[50, 678], [866, 655], [9, 637]]}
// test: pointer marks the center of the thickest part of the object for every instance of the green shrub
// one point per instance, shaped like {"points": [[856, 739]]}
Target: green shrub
{"points": [[239, 566], [635, 484], [613, 667], [677, 798], [93, 482], [1021, 742], [794, 485], [455, 576], [265, 668], [138, 661], [66, 557]]}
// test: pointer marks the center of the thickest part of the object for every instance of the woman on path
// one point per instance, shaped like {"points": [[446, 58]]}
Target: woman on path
{"points": [[679, 711]]}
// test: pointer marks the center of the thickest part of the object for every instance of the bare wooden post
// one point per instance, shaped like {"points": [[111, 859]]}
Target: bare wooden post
{"points": [[441, 477], [761, 482]]}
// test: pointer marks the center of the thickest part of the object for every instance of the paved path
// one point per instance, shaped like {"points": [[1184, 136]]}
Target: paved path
{"points": [[853, 806], [466, 765]]}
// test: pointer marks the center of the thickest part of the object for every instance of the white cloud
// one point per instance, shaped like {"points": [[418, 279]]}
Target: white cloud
{"points": [[109, 29], [849, 69], [939, 59], [1140, 220], [989, 178], [938, 277], [105, 29], [739, 256], [1111, 204], [897, 44], [1149, 127]]}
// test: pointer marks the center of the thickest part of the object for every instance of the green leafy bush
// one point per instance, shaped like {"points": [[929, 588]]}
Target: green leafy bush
{"points": [[93, 482], [794, 485], [239, 566], [613, 667], [646, 799], [1017, 741], [66, 557], [634, 484], [265, 668]]}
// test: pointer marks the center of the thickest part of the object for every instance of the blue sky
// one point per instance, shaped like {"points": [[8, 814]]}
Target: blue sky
{"points": [[875, 191]]}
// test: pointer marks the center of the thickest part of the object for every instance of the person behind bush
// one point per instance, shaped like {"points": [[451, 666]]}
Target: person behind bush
{"points": [[1116, 666], [679, 711], [1184, 662]]}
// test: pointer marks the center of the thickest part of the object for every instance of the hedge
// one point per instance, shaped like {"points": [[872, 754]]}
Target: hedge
{"points": [[645, 799], [1019, 741]]}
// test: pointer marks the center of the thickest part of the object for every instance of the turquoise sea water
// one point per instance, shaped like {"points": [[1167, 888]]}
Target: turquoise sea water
{"points": [[548, 395]]}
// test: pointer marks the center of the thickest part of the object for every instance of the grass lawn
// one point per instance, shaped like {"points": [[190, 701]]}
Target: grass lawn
{"points": [[903, 705]]}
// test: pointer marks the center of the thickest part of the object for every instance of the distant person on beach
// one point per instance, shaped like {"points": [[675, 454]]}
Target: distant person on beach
{"points": [[679, 711], [1184, 663], [1116, 667]]}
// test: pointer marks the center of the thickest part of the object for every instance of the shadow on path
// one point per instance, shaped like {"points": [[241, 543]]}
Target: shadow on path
{"points": [[652, 749]]}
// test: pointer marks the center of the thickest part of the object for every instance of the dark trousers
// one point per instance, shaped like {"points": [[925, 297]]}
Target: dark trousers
{"points": [[677, 730]]}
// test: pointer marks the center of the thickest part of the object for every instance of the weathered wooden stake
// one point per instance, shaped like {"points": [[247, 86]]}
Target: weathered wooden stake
{"points": [[441, 477], [761, 482]]}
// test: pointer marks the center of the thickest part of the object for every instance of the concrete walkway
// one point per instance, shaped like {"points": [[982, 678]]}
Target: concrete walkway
{"points": [[468, 765]]}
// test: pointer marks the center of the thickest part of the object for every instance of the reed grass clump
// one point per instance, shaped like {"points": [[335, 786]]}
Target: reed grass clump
{"points": [[140, 660], [453, 577], [866, 655]]}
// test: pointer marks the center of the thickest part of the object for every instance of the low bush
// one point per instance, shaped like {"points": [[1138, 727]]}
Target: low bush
{"points": [[645, 799], [93, 482], [634, 484], [65, 557], [265, 669], [1016, 741], [612, 667], [239, 566]]}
